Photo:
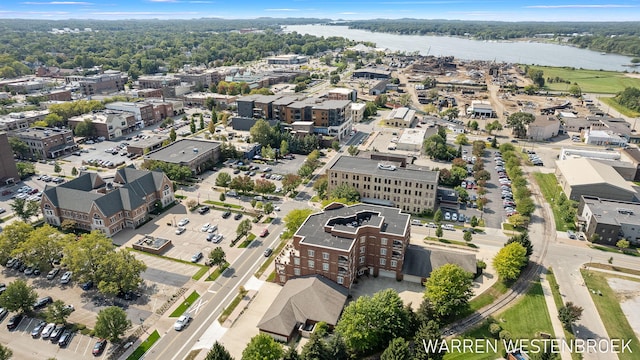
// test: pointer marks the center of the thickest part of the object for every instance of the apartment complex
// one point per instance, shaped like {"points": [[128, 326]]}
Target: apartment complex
{"points": [[109, 124], [413, 190], [47, 143], [344, 242], [21, 120], [606, 221], [91, 203], [110, 81]]}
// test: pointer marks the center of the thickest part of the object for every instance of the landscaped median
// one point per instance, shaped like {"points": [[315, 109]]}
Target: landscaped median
{"points": [[185, 304], [145, 346], [563, 208]]}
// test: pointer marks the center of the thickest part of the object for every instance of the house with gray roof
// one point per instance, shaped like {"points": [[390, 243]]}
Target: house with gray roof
{"points": [[591, 177], [302, 303], [607, 221], [93, 203]]}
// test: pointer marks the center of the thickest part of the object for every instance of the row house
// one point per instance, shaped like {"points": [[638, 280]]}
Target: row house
{"points": [[91, 203], [413, 190], [344, 242]]}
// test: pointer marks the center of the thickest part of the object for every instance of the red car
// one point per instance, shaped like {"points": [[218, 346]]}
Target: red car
{"points": [[264, 233], [6, 192]]}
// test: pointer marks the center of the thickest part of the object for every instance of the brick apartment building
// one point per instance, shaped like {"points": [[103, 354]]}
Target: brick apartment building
{"points": [[94, 204], [109, 124], [344, 242], [110, 81], [47, 143], [8, 170], [386, 183], [142, 111]]}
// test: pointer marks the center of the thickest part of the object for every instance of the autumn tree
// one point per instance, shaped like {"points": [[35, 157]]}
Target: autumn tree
{"points": [[569, 314], [510, 260]]}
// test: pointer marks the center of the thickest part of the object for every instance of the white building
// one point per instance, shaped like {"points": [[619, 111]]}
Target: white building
{"points": [[357, 111], [604, 138], [479, 109], [412, 139], [543, 127]]}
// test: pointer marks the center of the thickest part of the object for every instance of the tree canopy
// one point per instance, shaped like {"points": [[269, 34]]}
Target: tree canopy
{"points": [[262, 347], [510, 260], [449, 289], [112, 323]]}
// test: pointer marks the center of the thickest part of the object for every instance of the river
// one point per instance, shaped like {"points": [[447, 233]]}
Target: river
{"points": [[521, 52]]}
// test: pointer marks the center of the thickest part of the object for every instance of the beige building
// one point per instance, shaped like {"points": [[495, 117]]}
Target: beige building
{"points": [[589, 177], [543, 127], [401, 117], [109, 124], [357, 112], [386, 183]]}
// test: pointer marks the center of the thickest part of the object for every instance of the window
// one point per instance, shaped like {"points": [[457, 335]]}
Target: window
{"points": [[394, 263], [312, 264], [383, 241], [383, 261], [296, 271], [383, 251], [325, 266], [361, 259], [311, 253], [340, 280], [97, 220], [296, 261], [362, 249], [325, 256]]}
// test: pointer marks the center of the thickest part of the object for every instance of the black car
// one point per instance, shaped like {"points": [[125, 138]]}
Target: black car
{"points": [[268, 252], [3, 313], [238, 216], [203, 210], [87, 285], [56, 333], [42, 302], [14, 321], [226, 214], [65, 338], [98, 348]]}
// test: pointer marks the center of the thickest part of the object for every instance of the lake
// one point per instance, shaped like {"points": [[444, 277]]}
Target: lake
{"points": [[520, 52]]}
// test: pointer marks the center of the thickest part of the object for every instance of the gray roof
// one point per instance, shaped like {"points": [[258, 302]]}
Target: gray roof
{"points": [[370, 167], [613, 212], [332, 104], [419, 261], [182, 151], [390, 220], [304, 298]]}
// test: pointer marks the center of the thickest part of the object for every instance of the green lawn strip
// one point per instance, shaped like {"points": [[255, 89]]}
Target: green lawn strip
{"points": [[613, 268], [631, 252], [590, 81], [217, 272], [269, 262], [557, 298], [200, 273], [268, 220], [229, 309], [531, 307], [488, 296], [510, 227], [550, 190], [185, 304], [145, 346], [618, 107], [222, 204], [244, 244], [608, 306], [447, 241]]}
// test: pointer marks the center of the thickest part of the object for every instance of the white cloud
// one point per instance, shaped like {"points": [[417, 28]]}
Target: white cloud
{"points": [[579, 6]]}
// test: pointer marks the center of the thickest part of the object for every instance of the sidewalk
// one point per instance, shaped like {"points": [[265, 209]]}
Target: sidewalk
{"points": [[553, 313]]}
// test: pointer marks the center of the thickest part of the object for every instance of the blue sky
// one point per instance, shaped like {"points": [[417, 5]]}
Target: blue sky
{"points": [[514, 10]]}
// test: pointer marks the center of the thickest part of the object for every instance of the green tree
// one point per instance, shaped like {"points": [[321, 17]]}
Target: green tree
{"points": [[474, 221], [262, 347], [352, 150], [218, 352], [18, 296], [368, 323], [295, 218], [622, 244], [119, 272], [290, 182], [438, 217], [320, 186], [268, 208], [575, 90], [522, 239], [398, 349], [346, 191], [462, 139], [84, 256], [518, 122], [263, 186], [569, 314], [439, 231], [25, 169], [449, 289], [261, 132], [212, 127], [315, 349], [510, 260], [172, 135], [19, 147], [284, 147], [217, 257], [54, 120], [201, 127], [243, 183], [192, 126], [429, 332], [112, 323], [74, 171], [223, 179], [42, 247], [85, 128], [25, 209], [338, 348], [57, 312], [12, 236], [467, 236], [5, 353], [493, 126], [291, 354], [243, 228], [56, 168]]}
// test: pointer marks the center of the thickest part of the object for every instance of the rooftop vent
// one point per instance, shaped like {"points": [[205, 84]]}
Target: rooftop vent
{"points": [[195, 150], [386, 167], [625, 211]]}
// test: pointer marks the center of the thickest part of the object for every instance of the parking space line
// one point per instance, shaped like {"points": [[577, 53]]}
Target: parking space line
{"points": [[79, 341]]}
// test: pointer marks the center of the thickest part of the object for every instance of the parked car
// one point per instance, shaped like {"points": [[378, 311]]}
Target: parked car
{"points": [[35, 333], [182, 322], [237, 216], [226, 214], [56, 333], [268, 252], [217, 238], [3, 313], [99, 347], [203, 210], [205, 227], [180, 230], [65, 338], [66, 277], [42, 302], [14, 321], [86, 286], [53, 273], [196, 257], [416, 222], [46, 332], [213, 228], [183, 222]]}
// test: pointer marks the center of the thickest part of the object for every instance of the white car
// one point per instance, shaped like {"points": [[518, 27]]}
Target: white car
{"points": [[212, 228], [183, 222], [205, 227], [180, 230], [447, 216], [66, 277]]}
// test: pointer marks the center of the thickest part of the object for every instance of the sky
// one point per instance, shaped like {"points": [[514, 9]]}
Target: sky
{"points": [[501, 10]]}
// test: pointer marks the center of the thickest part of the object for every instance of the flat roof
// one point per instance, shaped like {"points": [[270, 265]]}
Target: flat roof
{"points": [[584, 171], [370, 167], [389, 220], [613, 212], [182, 151]]}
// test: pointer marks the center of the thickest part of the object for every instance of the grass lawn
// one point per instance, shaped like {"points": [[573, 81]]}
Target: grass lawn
{"points": [[550, 190], [229, 309], [620, 108], [200, 273], [447, 241], [614, 268], [217, 272], [531, 307], [592, 81], [145, 346], [223, 204], [185, 304], [608, 306]]}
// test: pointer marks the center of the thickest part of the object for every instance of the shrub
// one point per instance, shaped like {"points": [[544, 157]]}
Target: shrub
{"points": [[495, 329]]}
